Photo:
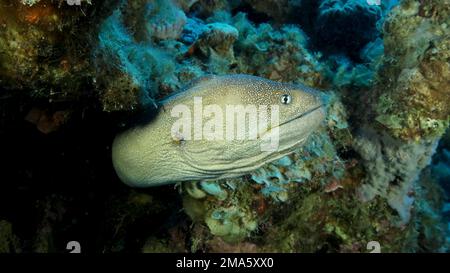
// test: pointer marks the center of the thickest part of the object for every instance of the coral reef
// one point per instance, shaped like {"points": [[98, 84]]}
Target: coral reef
{"points": [[430, 223], [206, 8], [317, 160], [441, 162], [413, 90], [232, 218], [164, 20], [349, 25], [392, 168], [411, 104], [277, 54], [216, 44], [346, 35], [72, 76], [155, 19], [218, 37], [32, 55]]}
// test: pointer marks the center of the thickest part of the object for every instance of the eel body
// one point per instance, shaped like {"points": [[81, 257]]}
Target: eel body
{"points": [[197, 134]]}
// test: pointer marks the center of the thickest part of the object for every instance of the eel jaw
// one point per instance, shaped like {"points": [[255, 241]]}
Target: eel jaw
{"points": [[302, 114]]}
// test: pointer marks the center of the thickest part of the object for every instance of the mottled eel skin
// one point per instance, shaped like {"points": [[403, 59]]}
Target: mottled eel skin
{"points": [[147, 155]]}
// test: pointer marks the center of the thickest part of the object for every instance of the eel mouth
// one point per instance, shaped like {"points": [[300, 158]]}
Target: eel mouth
{"points": [[302, 115]]}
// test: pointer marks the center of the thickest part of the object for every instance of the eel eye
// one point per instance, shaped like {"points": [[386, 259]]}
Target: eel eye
{"points": [[286, 99]]}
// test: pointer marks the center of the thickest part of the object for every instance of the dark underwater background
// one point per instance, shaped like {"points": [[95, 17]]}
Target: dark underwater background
{"points": [[75, 73]]}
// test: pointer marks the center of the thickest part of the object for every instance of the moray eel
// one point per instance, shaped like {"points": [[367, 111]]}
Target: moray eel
{"points": [[152, 154]]}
